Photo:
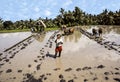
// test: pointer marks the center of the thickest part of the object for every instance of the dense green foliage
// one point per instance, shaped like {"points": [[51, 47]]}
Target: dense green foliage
{"points": [[68, 18], [78, 17]]}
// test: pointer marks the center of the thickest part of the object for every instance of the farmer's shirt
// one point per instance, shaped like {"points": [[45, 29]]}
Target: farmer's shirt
{"points": [[59, 42]]}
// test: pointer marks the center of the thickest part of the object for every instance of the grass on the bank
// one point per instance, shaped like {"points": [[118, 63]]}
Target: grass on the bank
{"points": [[26, 30], [16, 30], [52, 28]]}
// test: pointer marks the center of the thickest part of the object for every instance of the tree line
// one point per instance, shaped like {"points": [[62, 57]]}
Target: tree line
{"points": [[68, 18], [78, 17]]}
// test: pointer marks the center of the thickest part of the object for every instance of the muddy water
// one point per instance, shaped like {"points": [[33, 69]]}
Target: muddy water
{"points": [[78, 52], [25, 60], [9, 39]]}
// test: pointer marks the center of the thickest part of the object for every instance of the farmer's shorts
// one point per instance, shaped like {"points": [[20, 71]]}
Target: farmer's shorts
{"points": [[58, 49]]}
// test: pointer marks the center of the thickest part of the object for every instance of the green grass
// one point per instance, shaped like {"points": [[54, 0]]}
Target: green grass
{"points": [[52, 28], [26, 30], [12, 31]]}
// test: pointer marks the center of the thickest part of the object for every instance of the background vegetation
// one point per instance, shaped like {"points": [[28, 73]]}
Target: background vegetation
{"points": [[68, 18]]}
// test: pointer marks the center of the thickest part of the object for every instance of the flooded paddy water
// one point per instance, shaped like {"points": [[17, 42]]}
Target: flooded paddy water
{"points": [[9, 39], [82, 59]]}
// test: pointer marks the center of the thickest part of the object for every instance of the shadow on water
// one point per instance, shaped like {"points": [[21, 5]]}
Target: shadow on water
{"points": [[50, 55]]}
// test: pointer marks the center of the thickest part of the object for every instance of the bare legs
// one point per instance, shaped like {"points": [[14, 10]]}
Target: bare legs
{"points": [[57, 53]]}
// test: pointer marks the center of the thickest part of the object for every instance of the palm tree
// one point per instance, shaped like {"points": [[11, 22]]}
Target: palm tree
{"points": [[78, 14], [62, 12], [117, 17]]}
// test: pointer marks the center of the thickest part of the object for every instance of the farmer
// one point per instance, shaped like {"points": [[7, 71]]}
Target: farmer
{"points": [[94, 31], [100, 32], [59, 43]]}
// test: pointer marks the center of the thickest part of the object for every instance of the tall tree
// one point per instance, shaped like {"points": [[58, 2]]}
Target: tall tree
{"points": [[62, 12], [8, 25]]}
